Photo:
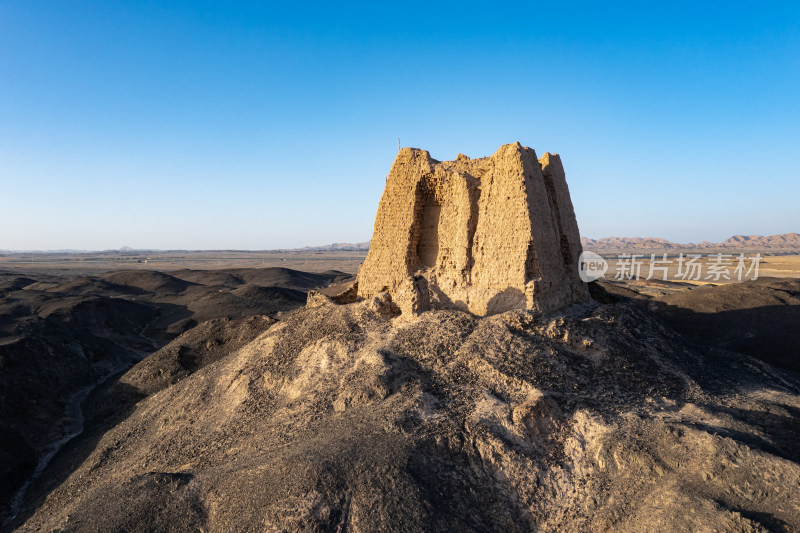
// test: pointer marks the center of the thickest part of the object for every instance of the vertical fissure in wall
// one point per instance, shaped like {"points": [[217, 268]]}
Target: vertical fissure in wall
{"points": [[564, 248], [532, 268], [429, 216], [472, 225], [428, 247]]}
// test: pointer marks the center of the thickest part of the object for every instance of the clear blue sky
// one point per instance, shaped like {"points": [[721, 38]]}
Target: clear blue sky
{"points": [[190, 124]]}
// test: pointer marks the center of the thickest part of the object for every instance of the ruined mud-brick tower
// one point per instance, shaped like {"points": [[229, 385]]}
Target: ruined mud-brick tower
{"points": [[484, 235]]}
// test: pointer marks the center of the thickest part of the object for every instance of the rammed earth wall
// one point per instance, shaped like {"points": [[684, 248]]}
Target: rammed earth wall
{"points": [[484, 235]]}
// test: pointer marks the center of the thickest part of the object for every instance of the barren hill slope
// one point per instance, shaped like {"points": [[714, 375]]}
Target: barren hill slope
{"points": [[343, 418], [759, 318], [61, 335]]}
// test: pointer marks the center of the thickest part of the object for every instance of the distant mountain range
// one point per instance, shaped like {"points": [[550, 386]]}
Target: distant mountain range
{"points": [[339, 246], [785, 242], [788, 242]]}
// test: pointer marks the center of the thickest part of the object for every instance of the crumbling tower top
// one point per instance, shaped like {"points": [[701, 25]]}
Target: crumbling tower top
{"points": [[484, 235]]}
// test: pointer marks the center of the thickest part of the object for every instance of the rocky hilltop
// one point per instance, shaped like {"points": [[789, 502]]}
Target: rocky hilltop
{"points": [[344, 418], [485, 235]]}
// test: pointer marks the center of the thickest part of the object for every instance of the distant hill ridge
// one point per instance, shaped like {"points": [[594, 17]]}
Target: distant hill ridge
{"points": [[785, 242], [339, 246]]}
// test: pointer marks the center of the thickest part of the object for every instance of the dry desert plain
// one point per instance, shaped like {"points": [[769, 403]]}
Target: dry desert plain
{"points": [[88, 263], [785, 265]]}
